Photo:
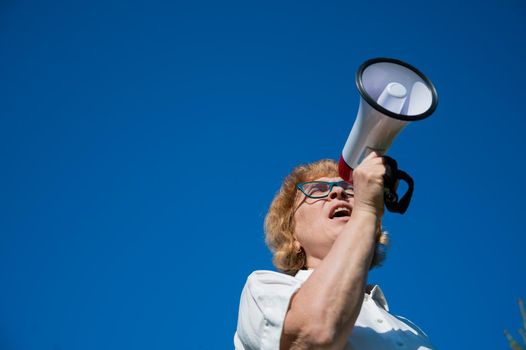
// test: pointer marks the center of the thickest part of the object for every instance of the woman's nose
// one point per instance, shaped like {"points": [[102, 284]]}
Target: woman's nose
{"points": [[337, 192]]}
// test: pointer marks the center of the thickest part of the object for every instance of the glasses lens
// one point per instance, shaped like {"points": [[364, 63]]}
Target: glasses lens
{"points": [[347, 187], [316, 189]]}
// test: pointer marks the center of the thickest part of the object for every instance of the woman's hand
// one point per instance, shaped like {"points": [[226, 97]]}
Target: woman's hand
{"points": [[368, 181]]}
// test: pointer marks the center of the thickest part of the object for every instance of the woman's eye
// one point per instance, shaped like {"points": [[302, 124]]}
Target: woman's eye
{"points": [[316, 188], [320, 188]]}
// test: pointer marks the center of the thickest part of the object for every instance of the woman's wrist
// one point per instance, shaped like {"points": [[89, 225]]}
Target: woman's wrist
{"points": [[367, 211]]}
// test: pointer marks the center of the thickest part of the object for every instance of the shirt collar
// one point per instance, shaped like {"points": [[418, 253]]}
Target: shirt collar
{"points": [[378, 296], [375, 291], [302, 275]]}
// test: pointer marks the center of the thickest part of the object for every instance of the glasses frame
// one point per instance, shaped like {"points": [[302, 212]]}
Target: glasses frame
{"points": [[331, 186]]}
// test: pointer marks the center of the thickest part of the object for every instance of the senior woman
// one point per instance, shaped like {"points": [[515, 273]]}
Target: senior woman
{"points": [[325, 236]]}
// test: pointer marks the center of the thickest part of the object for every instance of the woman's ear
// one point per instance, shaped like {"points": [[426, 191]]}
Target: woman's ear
{"points": [[297, 245]]}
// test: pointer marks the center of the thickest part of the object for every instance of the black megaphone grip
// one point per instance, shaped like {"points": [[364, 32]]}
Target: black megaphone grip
{"points": [[391, 177], [403, 203]]}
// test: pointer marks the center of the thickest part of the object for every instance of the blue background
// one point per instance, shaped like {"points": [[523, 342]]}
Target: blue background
{"points": [[142, 142]]}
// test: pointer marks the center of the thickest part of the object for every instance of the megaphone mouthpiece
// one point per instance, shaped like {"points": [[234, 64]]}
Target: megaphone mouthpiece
{"points": [[393, 97]]}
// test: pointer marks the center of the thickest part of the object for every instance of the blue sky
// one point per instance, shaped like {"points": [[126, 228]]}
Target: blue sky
{"points": [[142, 142]]}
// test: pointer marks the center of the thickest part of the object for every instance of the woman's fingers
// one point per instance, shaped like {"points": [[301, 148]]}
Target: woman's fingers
{"points": [[374, 158], [368, 179], [371, 155]]}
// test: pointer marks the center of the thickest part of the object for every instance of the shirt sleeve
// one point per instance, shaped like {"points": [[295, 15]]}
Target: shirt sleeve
{"points": [[262, 308]]}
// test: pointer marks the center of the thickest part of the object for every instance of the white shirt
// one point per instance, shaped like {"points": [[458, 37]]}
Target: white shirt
{"points": [[265, 300]]}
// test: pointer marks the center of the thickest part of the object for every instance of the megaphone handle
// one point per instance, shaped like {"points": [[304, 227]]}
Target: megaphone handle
{"points": [[403, 203], [392, 175], [391, 171]]}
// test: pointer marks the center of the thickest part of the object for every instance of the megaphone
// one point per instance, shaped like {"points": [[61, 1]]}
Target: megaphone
{"points": [[393, 93]]}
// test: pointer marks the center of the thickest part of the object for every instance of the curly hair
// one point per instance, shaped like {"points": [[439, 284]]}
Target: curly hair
{"points": [[279, 222]]}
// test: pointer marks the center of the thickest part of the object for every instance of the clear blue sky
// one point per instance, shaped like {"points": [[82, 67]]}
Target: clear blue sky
{"points": [[141, 144]]}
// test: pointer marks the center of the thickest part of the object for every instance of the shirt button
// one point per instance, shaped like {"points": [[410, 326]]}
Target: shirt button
{"points": [[379, 320], [399, 343]]}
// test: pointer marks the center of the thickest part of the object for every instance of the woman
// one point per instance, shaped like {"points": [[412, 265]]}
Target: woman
{"points": [[324, 235]]}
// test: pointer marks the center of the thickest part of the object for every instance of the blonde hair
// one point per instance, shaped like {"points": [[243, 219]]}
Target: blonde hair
{"points": [[279, 222]]}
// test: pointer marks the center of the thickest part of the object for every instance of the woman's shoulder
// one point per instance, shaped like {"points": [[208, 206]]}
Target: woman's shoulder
{"points": [[268, 276], [262, 308], [262, 280]]}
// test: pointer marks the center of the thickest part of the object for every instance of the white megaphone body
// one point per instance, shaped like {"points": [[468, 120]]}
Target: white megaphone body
{"points": [[393, 93]]}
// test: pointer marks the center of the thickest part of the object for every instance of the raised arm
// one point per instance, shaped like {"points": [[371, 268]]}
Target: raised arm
{"points": [[323, 311]]}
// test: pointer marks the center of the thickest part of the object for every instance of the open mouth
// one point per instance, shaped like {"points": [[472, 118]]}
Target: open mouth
{"points": [[340, 212]]}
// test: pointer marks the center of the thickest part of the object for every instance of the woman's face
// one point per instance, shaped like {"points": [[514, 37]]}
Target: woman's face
{"points": [[316, 225]]}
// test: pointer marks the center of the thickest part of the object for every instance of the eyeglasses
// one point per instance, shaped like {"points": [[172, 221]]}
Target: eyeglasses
{"points": [[321, 189]]}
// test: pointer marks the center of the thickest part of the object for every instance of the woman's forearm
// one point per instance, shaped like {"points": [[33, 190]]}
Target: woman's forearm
{"points": [[324, 310]]}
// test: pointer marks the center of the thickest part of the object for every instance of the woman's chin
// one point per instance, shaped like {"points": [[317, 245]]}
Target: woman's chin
{"points": [[339, 225]]}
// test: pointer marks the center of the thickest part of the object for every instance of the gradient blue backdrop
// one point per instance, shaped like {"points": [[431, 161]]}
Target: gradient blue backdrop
{"points": [[141, 144]]}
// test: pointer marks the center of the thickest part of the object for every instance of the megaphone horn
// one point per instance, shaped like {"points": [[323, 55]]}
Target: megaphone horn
{"points": [[393, 93]]}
